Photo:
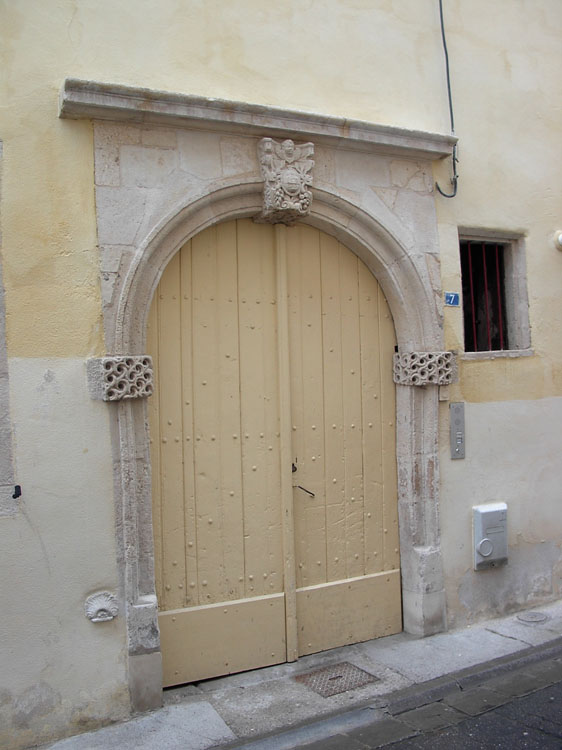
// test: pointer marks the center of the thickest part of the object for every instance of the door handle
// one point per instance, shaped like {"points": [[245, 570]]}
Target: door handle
{"points": [[308, 492], [298, 486]]}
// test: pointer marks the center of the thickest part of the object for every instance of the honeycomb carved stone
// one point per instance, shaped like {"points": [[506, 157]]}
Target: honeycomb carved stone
{"points": [[287, 172], [425, 368], [101, 606], [120, 377]]}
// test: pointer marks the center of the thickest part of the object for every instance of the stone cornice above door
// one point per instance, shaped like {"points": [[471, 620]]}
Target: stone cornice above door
{"points": [[103, 101]]}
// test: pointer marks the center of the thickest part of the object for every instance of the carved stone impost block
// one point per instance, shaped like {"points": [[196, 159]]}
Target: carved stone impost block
{"points": [[287, 172], [101, 606], [425, 368], [120, 377]]}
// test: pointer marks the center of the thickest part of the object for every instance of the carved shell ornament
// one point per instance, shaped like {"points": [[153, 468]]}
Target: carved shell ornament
{"points": [[101, 606], [287, 172]]}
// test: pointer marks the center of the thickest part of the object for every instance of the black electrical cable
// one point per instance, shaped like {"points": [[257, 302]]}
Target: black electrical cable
{"points": [[447, 66], [455, 177]]}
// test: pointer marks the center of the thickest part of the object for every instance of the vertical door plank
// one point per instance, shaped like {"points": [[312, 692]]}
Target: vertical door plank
{"points": [[372, 425], [259, 394], [351, 389], [228, 431], [173, 552], [285, 444], [206, 416], [307, 399], [390, 522], [217, 439], [294, 294], [186, 345], [155, 440], [334, 415]]}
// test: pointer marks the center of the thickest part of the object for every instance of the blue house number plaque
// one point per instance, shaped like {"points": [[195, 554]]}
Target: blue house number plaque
{"points": [[452, 299]]}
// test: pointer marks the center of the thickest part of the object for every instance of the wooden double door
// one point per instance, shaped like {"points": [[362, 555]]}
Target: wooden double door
{"points": [[273, 451]]}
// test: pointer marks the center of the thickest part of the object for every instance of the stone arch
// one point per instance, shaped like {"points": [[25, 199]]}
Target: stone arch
{"points": [[418, 326], [411, 299]]}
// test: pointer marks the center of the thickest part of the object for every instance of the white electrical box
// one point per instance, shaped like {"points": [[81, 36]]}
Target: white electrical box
{"points": [[489, 528]]}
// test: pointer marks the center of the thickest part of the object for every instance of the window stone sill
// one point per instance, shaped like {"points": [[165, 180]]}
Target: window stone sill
{"points": [[503, 354]]}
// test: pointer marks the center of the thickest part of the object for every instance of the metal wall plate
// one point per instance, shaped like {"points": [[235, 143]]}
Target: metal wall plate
{"points": [[457, 434]]}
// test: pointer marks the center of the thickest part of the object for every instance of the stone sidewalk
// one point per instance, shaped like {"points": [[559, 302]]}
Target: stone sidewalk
{"points": [[415, 686], [521, 707]]}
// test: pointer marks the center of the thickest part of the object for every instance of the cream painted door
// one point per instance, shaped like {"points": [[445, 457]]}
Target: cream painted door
{"points": [[272, 347], [343, 440]]}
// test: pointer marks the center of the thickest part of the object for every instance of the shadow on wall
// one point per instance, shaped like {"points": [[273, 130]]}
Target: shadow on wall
{"points": [[532, 575], [39, 714]]}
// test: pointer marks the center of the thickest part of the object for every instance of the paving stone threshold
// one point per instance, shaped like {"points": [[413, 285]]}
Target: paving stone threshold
{"points": [[427, 706]]}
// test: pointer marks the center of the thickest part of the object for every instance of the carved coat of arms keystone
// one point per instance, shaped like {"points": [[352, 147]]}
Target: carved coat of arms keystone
{"points": [[287, 172]]}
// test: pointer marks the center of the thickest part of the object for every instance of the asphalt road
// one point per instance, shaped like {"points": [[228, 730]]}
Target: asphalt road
{"points": [[520, 709]]}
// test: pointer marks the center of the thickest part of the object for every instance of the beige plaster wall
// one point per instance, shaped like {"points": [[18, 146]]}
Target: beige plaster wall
{"points": [[507, 78], [60, 672], [378, 60], [512, 456]]}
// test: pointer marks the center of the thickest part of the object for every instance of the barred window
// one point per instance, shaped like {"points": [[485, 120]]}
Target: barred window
{"points": [[494, 294]]}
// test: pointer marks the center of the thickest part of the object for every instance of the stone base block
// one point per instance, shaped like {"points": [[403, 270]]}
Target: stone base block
{"points": [[145, 681], [424, 613]]}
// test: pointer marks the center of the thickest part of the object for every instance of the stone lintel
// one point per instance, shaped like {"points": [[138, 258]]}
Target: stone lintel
{"points": [[103, 101]]}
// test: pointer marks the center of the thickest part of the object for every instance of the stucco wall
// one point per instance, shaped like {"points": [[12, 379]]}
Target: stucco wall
{"points": [[60, 672], [380, 61], [388, 68], [512, 456]]}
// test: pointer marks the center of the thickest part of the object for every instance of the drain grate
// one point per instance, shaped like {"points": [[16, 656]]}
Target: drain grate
{"points": [[532, 617], [338, 678]]}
